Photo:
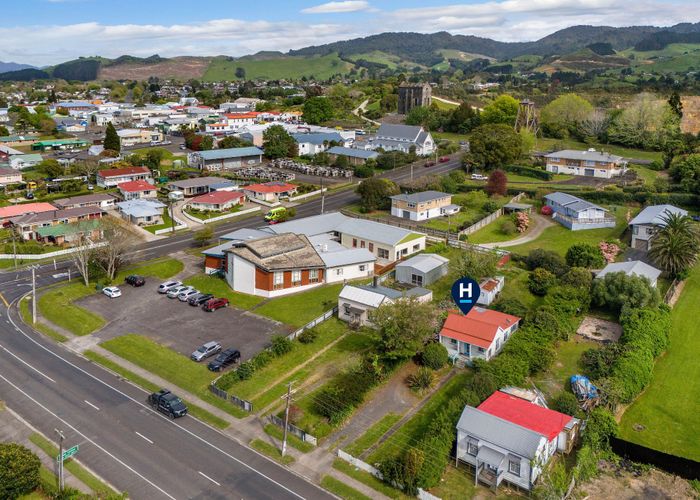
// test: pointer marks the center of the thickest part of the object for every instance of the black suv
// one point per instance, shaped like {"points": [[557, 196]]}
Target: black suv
{"points": [[166, 402], [199, 299], [224, 359], [135, 280]]}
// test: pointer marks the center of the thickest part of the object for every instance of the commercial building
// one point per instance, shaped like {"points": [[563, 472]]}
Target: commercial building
{"points": [[225, 159]]}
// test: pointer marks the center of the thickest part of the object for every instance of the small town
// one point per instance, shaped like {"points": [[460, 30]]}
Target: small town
{"points": [[354, 249]]}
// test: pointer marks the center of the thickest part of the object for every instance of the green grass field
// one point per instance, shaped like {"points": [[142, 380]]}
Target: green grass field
{"points": [[492, 233], [368, 480], [299, 308], [341, 489], [277, 67], [159, 268], [167, 223], [669, 409], [218, 286], [377, 56], [58, 308], [567, 363], [38, 326], [377, 430]]}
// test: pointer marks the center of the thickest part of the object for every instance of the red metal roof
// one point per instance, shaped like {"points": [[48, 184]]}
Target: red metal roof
{"points": [[478, 327], [16, 210], [271, 187], [544, 421], [217, 197], [116, 172], [136, 186]]}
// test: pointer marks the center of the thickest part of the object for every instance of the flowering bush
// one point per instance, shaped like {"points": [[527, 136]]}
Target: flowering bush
{"points": [[609, 250], [546, 210], [522, 221]]}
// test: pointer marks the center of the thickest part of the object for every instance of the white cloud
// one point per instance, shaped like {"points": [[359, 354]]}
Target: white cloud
{"points": [[335, 7]]}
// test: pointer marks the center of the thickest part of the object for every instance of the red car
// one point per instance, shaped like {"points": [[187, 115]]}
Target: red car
{"points": [[429, 163], [444, 159], [214, 304]]}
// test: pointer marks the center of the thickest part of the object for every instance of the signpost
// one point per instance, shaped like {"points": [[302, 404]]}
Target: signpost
{"points": [[70, 452], [63, 455]]}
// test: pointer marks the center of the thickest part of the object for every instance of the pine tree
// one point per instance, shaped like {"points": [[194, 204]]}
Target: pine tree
{"points": [[112, 139]]}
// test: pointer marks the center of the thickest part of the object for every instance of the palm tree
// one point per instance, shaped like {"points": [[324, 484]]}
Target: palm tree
{"points": [[676, 244]]}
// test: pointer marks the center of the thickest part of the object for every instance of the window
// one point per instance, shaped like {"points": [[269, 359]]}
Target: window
{"points": [[498, 344], [296, 277], [417, 279], [313, 275], [411, 205], [371, 247], [453, 341], [404, 251], [635, 229], [383, 253], [354, 242], [339, 271], [416, 248], [278, 280], [514, 465], [363, 267], [362, 244], [472, 447], [347, 309]]}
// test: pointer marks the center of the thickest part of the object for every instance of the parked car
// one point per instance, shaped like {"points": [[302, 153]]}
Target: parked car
{"points": [[199, 299], [429, 164], [214, 304], [444, 159], [112, 292], [174, 292], [184, 296], [166, 402], [205, 350], [479, 177], [224, 359], [135, 280], [168, 285], [183, 147]]}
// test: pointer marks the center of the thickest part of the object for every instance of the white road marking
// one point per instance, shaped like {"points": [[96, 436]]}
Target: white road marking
{"points": [[27, 364], [207, 477], [88, 402], [143, 437], [87, 438]]}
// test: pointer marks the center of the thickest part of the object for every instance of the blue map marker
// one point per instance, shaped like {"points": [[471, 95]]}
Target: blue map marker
{"points": [[465, 293]]}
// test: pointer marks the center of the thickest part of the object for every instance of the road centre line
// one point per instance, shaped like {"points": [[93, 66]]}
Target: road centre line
{"points": [[143, 437], [88, 402], [207, 477]]}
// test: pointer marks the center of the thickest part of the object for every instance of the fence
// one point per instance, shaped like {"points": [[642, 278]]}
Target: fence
{"points": [[490, 218], [684, 467], [39, 256], [179, 226], [308, 195], [325, 316], [220, 217], [671, 291], [300, 433], [241, 403]]}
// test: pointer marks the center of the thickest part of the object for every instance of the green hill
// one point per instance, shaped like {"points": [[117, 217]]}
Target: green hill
{"points": [[277, 68]]}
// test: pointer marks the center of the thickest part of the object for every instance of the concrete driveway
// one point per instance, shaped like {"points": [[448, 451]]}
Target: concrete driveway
{"points": [[178, 325]]}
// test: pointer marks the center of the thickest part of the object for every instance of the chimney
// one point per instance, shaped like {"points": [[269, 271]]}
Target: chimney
{"points": [[375, 281]]}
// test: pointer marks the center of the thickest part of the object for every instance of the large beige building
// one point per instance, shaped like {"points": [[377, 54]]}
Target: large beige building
{"points": [[422, 206]]}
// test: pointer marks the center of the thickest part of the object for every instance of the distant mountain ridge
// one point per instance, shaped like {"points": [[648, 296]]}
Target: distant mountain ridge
{"points": [[13, 66]]}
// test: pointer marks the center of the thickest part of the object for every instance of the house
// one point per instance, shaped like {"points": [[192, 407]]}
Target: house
{"points": [[194, 186], [490, 288], [313, 143], [102, 200], [402, 138], [275, 265], [217, 201], [422, 206], [225, 159], [577, 214], [354, 156], [9, 176], [133, 136], [73, 232], [132, 190], [269, 192], [422, 270], [20, 162], [9, 212], [509, 439], [632, 268], [114, 176], [342, 264], [480, 334], [355, 302], [215, 258], [59, 145], [648, 221], [589, 163], [142, 212], [70, 125], [29, 223]]}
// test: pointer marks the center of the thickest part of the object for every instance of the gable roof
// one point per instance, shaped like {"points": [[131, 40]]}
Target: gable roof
{"points": [[479, 327], [352, 152], [217, 197], [654, 214], [195, 182], [421, 197], [318, 138], [280, 252], [632, 267], [141, 208], [590, 154], [27, 208], [56, 214], [136, 186], [222, 154], [270, 187], [370, 298], [424, 262], [548, 423], [119, 172], [399, 132], [571, 202], [86, 198]]}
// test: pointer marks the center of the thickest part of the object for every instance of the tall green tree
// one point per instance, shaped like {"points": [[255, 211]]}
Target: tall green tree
{"points": [[493, 146], [403, 326], [563, 116], [504, 109], [473, 264], [277, 143], [674, 101], [233, 142], [112, 141], [676, 244], [375, 192], [317, 110]]}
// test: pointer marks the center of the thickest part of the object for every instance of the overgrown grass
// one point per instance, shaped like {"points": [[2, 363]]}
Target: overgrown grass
{"points": [[271, 451], [38, 326], [299, 308], [218, 287], [368, 480], [341, 489], [456, 484], [372, 434], [567, 363], [57, 307], [292, 440], [193, 409]]}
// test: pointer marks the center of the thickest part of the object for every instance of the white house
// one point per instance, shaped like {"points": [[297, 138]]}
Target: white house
{"points": [[113, 176], [343, 264], [139, 189], [648, 221], [314, 143], [9, 176], [402, 138], [632, 268], [589, 163], [356, 301], [576, 214], [490, 288], [20, 162], [423, 206]]}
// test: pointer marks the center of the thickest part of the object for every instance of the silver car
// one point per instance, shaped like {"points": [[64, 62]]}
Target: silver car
{"points": [[168, 285], [184, 296], [205, 350], [174, 292]]}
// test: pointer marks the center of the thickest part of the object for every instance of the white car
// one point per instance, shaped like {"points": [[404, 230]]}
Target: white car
{"points": [[112, 292], [184, 296], [174, 292], [479, 177], [168, 285]]}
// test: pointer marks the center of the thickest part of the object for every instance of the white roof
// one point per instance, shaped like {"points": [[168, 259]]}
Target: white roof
{"points": [[362, 296], [632, 267], [424, 262], [654, 214]]}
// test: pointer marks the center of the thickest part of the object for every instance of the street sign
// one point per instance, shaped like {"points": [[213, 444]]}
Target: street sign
{"points": [[70, 452]]}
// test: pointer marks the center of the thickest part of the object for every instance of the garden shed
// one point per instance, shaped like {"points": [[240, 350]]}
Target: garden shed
{"points": [[422, 269]]}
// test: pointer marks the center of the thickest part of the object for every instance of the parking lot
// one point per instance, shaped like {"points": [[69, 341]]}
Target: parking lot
{"points": [[178, 325]]}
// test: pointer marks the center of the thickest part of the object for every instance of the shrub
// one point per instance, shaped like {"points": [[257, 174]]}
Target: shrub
{"points": [[490, 206], [19, 470], [540, 280], [609, 250], [262, 359], [511, 306], [584, 255], [246, 370], [546, 210], [508, 227], [618, 290], [548, 320], [537, 173], [522, 221], [281, 345], [434, 356], [601, 426], [566, 403], [546, 259], [308, 336], [578, 277], [422, 380], [295, 414], [598, 363]]}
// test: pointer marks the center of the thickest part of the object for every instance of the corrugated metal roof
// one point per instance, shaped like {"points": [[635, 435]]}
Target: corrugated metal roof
{"points": [[221, 154], [352, 152], [195, 182], [654, 214], [424, 262], [362, 296], [633, 267], [398, 132], [421, 197], [346, 256], [590, 155], [318, 138], [572, 202]]}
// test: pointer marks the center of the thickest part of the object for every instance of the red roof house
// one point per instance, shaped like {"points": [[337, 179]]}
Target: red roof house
{"points": [[137, 189], [26, 208], [217, 200], [270, 191], [479, 334], [114, 176]]}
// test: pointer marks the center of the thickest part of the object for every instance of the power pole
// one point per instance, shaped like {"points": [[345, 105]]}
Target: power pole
{"points": [[61, 437], [33, 295], [323, 195], [286, 417]]}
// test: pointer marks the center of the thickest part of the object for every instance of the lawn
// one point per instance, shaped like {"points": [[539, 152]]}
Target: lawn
{"points": [[372, 434], [567, 363], [368, 479], [299, 308], [492, 233], [38, 326], [669, 409], [341, 489], [167, 223], [57, 307], [457, 484], [159, 268], [218, 287], [471, 211]]}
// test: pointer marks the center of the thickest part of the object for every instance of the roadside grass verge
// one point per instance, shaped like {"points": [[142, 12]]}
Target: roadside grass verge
{"points": [[270, 451], [292, 440], [300, 308], [372, 435], [158, 268], [92, 482], [57, 307], [193, 409], [368, 480], [341, 489], [219, 288], [26, 315]]}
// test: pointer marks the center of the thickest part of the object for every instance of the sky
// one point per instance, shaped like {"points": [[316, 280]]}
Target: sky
{"points": [[44, 32]]}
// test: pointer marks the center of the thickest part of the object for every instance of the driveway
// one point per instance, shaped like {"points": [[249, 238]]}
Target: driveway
{"points": [[178, 325], [539, 224]]}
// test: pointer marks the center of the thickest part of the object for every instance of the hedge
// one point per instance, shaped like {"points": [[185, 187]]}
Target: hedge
{"points": [[537, 173]]}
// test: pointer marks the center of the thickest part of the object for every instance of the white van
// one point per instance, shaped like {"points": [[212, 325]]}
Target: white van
{"points": [[176, 195]]}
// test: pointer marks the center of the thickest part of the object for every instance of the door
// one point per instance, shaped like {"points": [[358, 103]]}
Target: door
{"points": [[406, 214], [589, 172]]}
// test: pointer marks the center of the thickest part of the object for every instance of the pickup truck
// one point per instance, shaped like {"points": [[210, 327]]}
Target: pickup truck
{"points": [[166, 402]]}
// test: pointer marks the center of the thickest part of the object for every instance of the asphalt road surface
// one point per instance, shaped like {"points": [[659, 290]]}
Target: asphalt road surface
{"points": [[122, 439]]}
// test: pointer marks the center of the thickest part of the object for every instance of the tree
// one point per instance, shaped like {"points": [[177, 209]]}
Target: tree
{"points": [[317, 110], [562, 117], [474, 264], [120, 239], [3, 131], [232, 141], [375, 192], [203, 236], [112, 141], [540, 281], [616, 290], [643, 122], [277, 143], [51, 168], [547, 259], [594, 126], [504, 110], [497, 183], [240, 73], [578, 277], [82, 257], [674, 101], [584, 255], [493, 146], [463, 120], [403, 326], [566, 403], [676, 244], [19, 470], [434, 356]]}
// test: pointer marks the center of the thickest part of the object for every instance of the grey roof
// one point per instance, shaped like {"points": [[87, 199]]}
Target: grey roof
{"points": [[221, 154], [399, 132], [318, 138], [494, 430], [223, 185], [632, 267], [421, 197], [87, 198], [352, 152], [360, 295], [395, 294], [490, 456], [310, 226], [218, 250], [654, 214], [195, 182], [39, 217], [141, 208], [571, 202], [424, 262], [346, 257], [245, 234], [517, 206], [591, 155]]}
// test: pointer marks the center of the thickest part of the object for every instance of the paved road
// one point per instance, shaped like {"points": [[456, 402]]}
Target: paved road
{"points": [[122, 439]]}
